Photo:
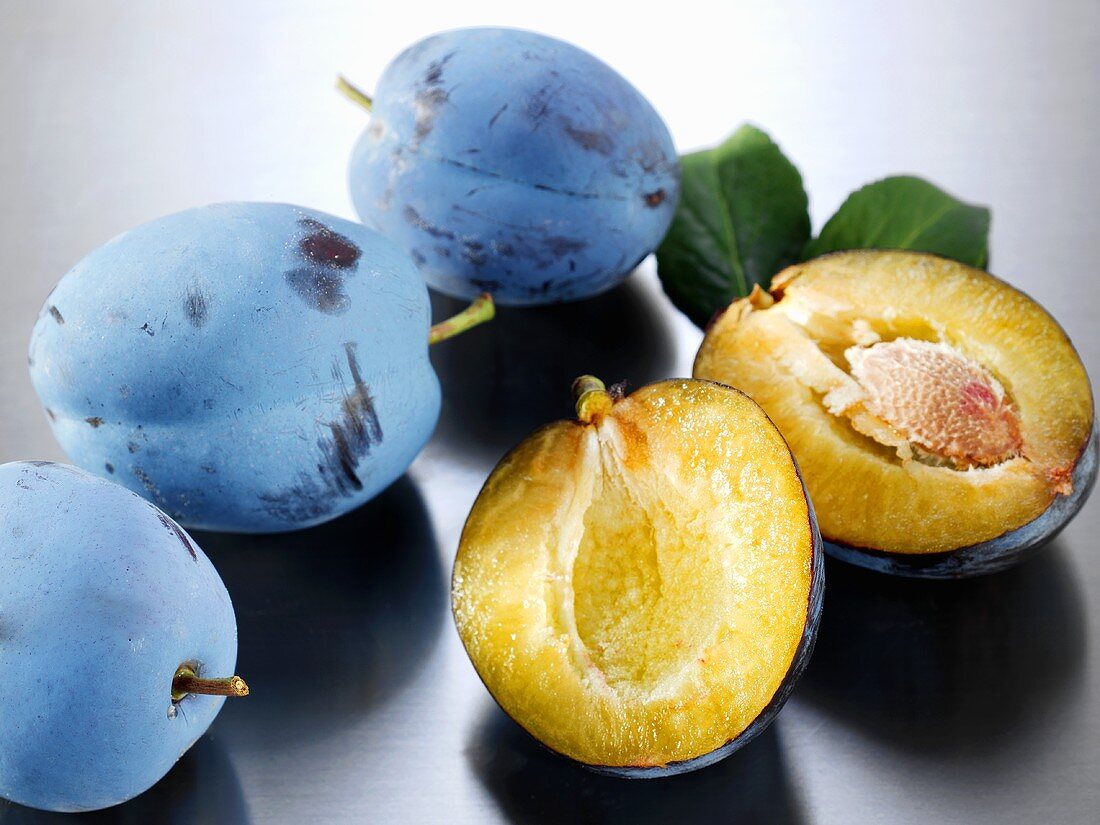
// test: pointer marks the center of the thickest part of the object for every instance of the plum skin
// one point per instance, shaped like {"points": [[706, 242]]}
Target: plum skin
{"points": [[512, 163], [248, 367], [104, 597], [993, 555]]}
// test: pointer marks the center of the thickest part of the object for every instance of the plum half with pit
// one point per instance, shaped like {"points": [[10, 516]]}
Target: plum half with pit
{"points": [[639, 588], [943, 420]]}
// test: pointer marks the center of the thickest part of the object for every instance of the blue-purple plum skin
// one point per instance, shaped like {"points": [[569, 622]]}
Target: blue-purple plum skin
{"points": [[995, 554], [102, 598], [247, 367], [508, 162]]}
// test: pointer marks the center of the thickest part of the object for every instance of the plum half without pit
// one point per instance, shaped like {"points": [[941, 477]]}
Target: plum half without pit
{"points": [[640, 588], [942, 419]]}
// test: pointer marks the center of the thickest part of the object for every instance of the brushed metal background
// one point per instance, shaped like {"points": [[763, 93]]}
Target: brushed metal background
{"points": [[925, 702]]}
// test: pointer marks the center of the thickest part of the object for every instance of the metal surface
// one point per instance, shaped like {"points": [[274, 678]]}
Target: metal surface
{"points": [[925, 701]]}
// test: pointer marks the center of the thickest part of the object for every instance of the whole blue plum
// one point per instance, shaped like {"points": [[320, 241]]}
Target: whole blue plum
{"points": [[106, 607], [513, 163], [248, 367]]}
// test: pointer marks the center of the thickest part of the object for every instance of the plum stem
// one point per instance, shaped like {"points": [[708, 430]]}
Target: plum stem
{"points": [[480, 311], [187, 681], [354, 93], [592, 398]]}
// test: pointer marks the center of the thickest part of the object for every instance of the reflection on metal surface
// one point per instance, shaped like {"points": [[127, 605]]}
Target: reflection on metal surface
{"points": [[959, 667], [515, 373], [331, 621], [530, 784]]}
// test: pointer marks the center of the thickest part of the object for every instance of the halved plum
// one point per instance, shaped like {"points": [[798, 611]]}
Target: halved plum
{"points": [[942, 419], [640, 588]]}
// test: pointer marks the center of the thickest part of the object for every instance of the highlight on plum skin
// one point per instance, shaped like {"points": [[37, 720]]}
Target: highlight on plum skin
{"points": [[119, 640], [640, 587], [942, 419]]}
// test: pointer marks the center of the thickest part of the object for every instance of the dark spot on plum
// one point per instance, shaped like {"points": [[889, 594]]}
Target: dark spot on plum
{"points": [[472, 254], [208, 403], [209, 469], [502, 248], [413, 217], [40, 463], [326, 248], [428, 103], [618, 390], [572, 265], [590, 141], [499, 112], [544, 287], [148, 330], [418, 257], [442, 251], [95, 422], [320, 288], [194, 307], [346, 443], [51, 414], [486, 284], [132, 447], [654, 199], [56, 313], [149, 486], [433, 75], [177, 531], [560, 246]]}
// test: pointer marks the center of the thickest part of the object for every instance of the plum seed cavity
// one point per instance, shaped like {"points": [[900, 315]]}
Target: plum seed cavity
{"points": [[907, 388]]}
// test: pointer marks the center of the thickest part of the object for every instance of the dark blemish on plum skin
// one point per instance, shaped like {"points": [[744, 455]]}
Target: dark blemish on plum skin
{"points": [[109, 467], [654, 199], [195, 307], [320, 288], [56, 313], [348, 441], [177, 531], [95, 422], [590, 141], [132, 447], [434, 74], [486, 285], [499, 112], [51, 414], [560, 246], [413, 217], [326, 247], [418, 257], [148, 330]]}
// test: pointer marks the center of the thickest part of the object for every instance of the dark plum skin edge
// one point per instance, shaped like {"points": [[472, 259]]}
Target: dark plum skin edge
{"points": [[779, 698], [993, 555]]}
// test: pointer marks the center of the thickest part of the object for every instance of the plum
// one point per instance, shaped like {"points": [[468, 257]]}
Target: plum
{"points": [[111, 621], [250, 367], [943, 420], [640, 588], [512, 163]]}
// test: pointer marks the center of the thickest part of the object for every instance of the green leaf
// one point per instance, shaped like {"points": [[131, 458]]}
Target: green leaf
{"points": [[742, 217], [906, 212]]}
